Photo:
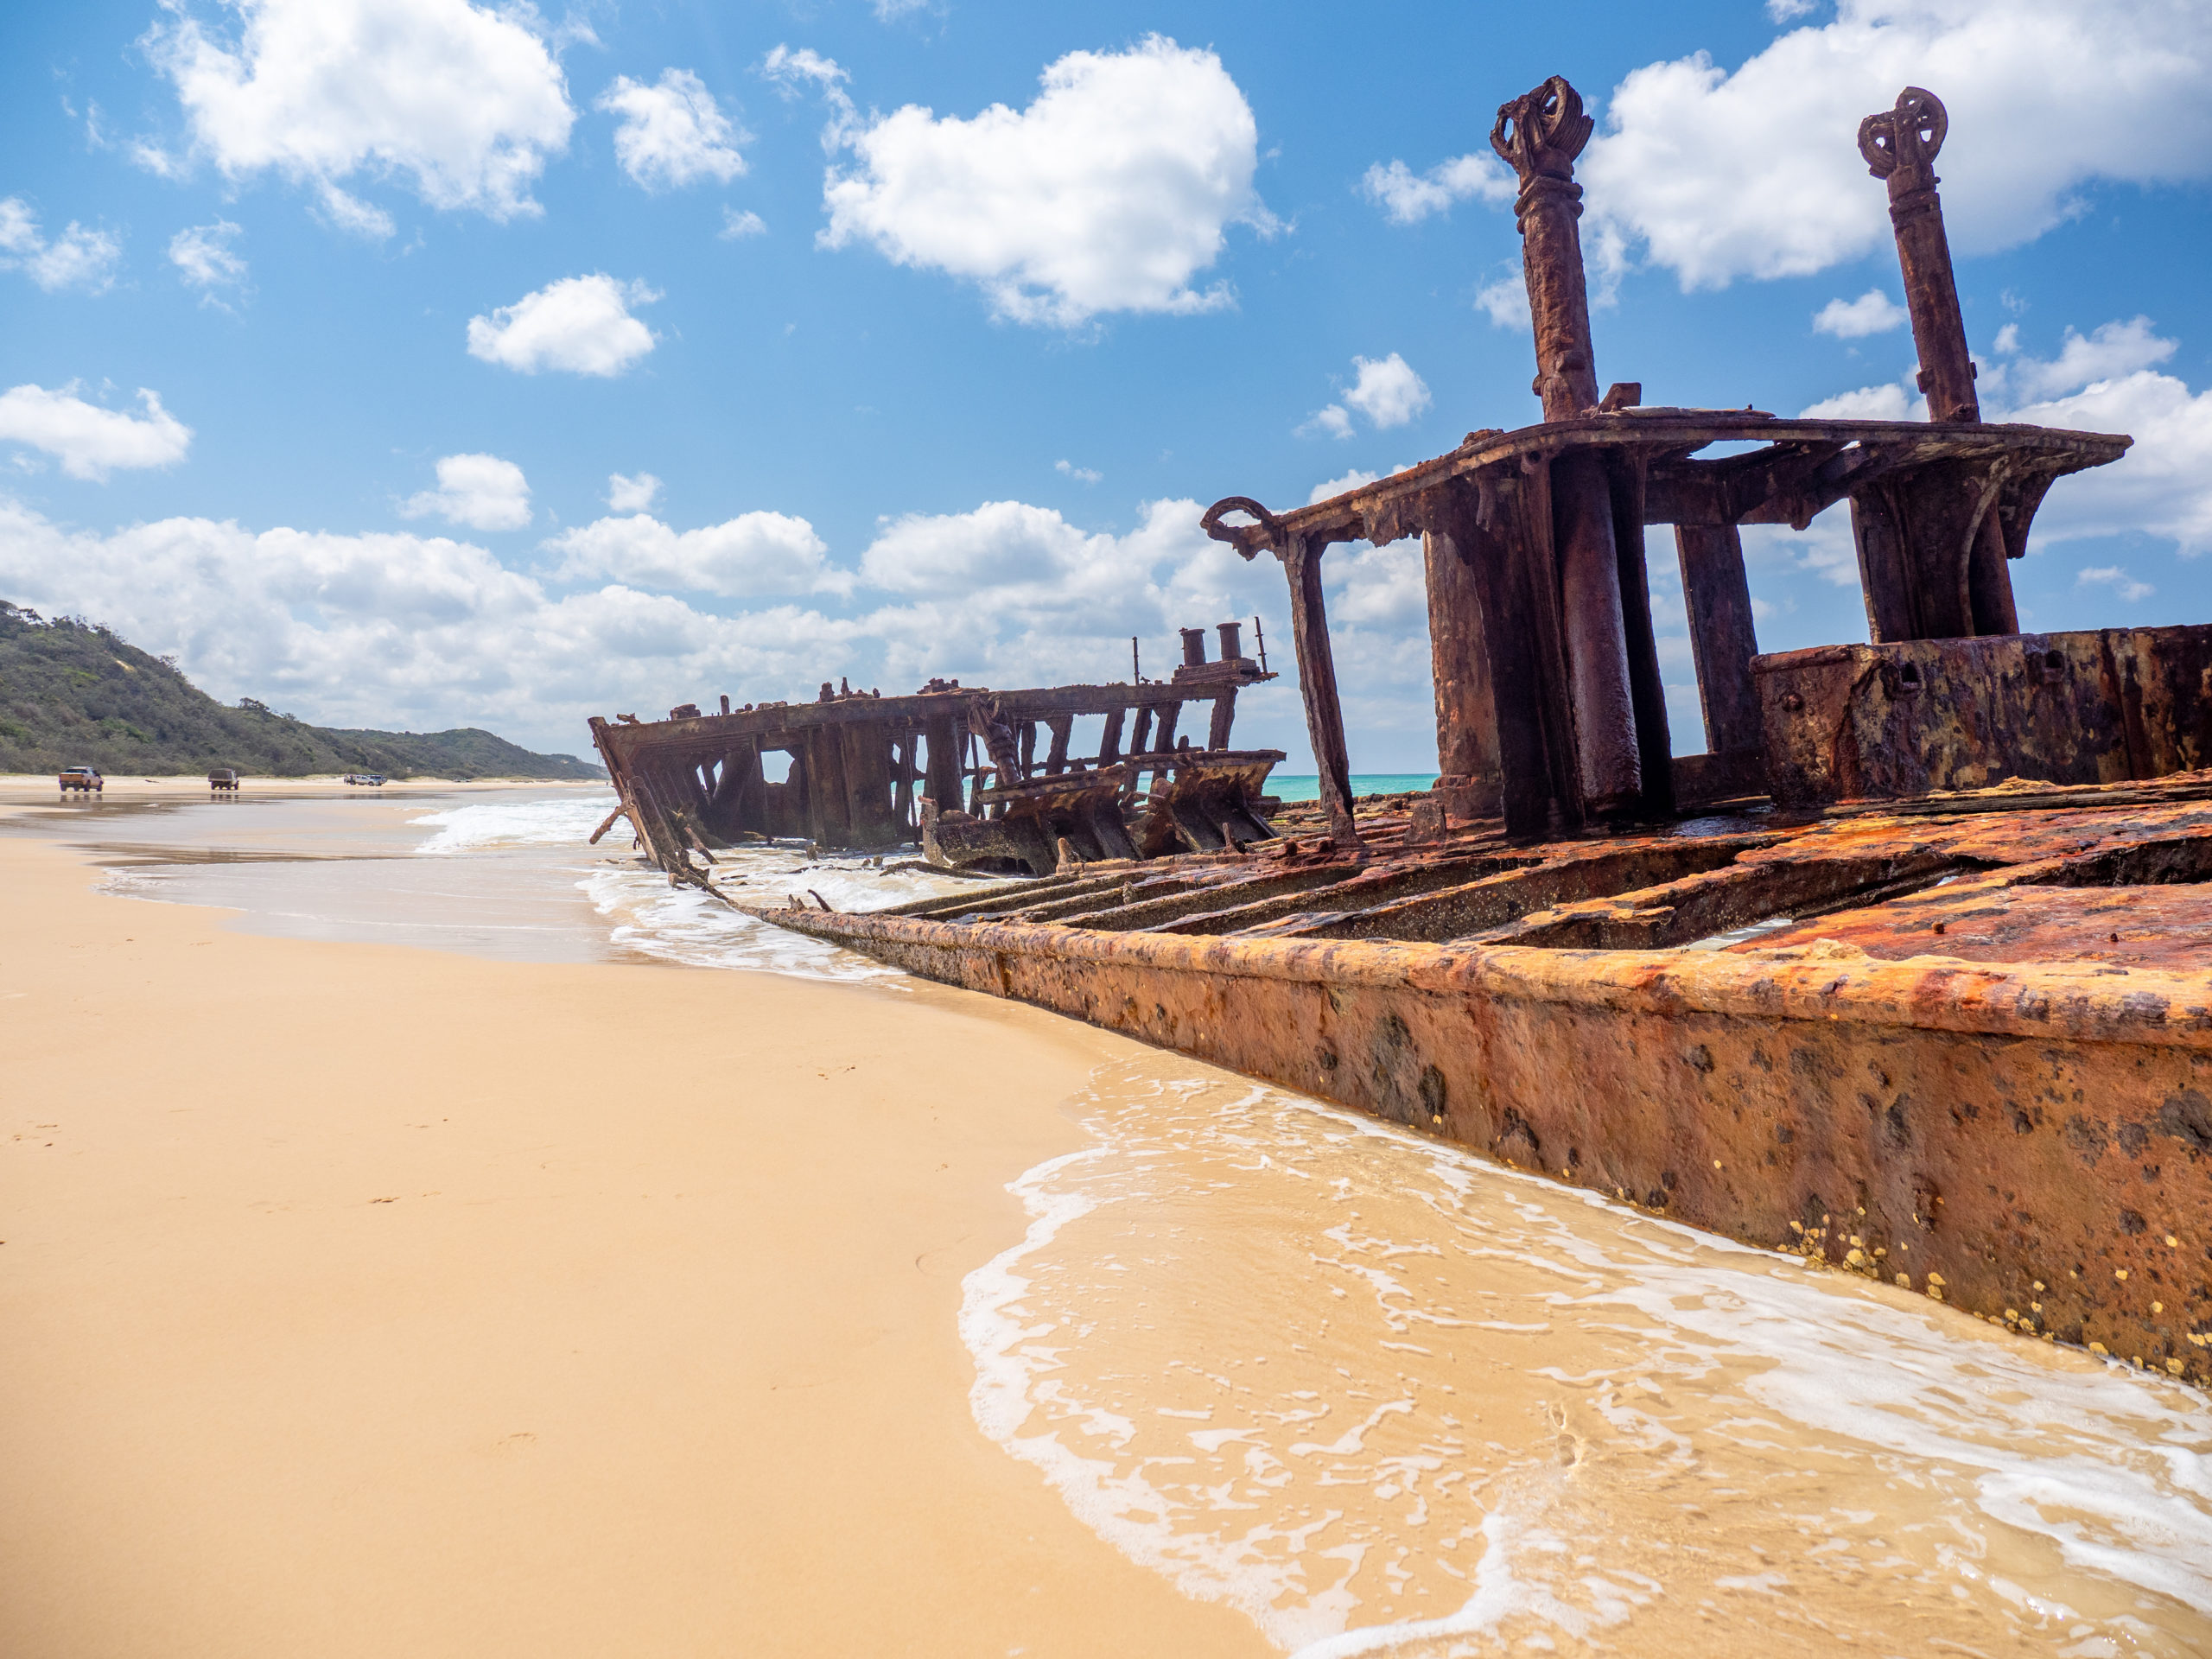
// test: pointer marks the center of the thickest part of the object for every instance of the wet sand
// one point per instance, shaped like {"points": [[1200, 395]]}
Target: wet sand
{"points": [[367, 1300]]}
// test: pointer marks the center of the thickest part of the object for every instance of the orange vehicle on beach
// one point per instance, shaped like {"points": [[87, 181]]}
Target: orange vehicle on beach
{"points": [[85, 778]]}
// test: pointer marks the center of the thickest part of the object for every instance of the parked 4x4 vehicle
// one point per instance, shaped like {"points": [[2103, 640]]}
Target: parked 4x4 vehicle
{"points": [[87, 778], [223, 777]]}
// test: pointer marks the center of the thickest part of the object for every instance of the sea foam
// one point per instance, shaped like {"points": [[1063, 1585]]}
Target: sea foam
{"points": [[1385, 1397]]}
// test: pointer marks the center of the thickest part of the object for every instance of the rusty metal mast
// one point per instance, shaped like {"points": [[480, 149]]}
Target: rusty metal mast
{"points": [[1538, 135], [1969, 591]]}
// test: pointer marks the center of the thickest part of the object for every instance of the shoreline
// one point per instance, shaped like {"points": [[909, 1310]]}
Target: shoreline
{"points": [[194, 784], [364, 1298]]}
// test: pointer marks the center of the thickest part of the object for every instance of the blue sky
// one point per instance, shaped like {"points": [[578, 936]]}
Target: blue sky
{"points": [[770, 343]]}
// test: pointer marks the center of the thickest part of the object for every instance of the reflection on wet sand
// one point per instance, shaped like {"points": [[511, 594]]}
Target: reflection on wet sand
{"points": [[1345, 1378]]}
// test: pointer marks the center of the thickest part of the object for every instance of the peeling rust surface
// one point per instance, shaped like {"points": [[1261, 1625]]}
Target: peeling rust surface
{"points": [[1883, 722], [2008, 1119]]}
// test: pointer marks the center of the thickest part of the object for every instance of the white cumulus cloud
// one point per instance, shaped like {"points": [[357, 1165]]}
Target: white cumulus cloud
{"points": [[1081, 474], [1718, 175], [1407, 197], [76, 259], [2116, 578], [736, 225], [1329, 420], [632, 493], [1872, 312], [2105, 353], [399, 630], [205, 260], [1334, 487], [461, 102], [1891, 401], [1505, 302], [482, 491], [581, 324], [672, 133], [1111, 192], [752, 555], [2162, 486], [1387, 392], [426, 632], [91, 442]]}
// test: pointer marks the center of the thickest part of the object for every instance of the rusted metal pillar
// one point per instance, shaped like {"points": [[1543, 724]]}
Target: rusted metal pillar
{"points": [[1224, 712], [1055, 758], [1539, 134], [1317, 685], [1110, 740], [829, 823], [1900, 146], [1722, 641], [1466, 706], [943, 783]]}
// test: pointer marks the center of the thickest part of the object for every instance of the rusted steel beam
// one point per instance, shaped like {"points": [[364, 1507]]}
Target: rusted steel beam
{"points": [[1723, 640], [1520, 642], [1655, 743], [1170, 715], [1885, 578], [1459, 661], [1538, 135], [1225, 719], [1608, 766], [1316, 686], [828, 814], [943, 739], [1680, 488]]}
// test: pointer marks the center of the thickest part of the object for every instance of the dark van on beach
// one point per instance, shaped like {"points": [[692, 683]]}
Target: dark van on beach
{"points": [[223, 777]]}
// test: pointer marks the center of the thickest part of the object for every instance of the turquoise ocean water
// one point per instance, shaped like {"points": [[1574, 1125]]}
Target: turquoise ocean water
{"points": [[1298, 787]]}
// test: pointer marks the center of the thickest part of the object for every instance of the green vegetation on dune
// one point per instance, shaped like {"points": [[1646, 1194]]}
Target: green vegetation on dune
{"points": [[74, 695]]}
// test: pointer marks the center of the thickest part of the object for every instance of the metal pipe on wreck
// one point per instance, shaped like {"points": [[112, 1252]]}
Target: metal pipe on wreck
{"points": [[1900, 146], [1538, 135]]}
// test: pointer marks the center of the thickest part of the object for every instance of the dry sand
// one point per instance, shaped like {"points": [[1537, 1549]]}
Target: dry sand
{"points": [[44, 786], [361, 1300]]}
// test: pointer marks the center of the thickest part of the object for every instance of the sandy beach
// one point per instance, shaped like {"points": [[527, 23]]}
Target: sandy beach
{"points": [[427, 1233], [366, 1300]]}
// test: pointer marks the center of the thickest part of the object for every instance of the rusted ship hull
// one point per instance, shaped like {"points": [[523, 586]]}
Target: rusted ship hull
{"points": [[2029, 1140]]}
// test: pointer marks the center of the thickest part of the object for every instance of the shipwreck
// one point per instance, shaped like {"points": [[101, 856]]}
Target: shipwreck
{"points": [[1909, 972], [696, 784]]}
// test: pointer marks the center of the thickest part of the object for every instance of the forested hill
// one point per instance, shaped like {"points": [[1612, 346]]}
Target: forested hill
{"points": [[74, 695]]}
